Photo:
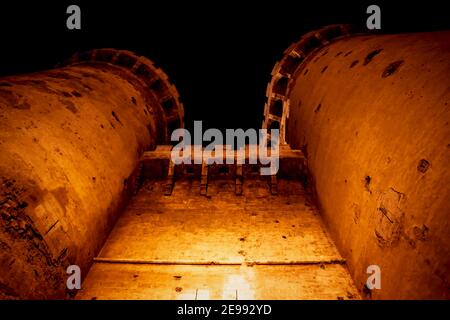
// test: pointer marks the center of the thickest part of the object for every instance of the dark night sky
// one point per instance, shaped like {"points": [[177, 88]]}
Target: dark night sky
{"points": [[218, 53]]}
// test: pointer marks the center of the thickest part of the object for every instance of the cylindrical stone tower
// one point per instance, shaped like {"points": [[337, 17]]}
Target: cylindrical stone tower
{"points": [[372, 113], [70, 142]]}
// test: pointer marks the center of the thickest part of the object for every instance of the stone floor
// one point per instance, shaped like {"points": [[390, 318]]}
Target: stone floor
{"points": [[219, 246]]}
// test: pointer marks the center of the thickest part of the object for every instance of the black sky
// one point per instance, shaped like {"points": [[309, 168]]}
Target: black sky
{"points": [[218, 53]]}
